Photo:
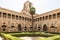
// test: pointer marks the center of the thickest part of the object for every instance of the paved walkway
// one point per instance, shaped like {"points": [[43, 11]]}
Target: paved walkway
{"points": [[1, 38], [30, 38]]}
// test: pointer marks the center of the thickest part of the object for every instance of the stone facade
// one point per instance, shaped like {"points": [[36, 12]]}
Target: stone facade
{"points": [[11, 21], [48, 21]]}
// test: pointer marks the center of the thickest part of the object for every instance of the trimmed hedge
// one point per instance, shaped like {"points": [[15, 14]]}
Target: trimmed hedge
{"points": [[9, 37], [57, 37], [42, 34]]}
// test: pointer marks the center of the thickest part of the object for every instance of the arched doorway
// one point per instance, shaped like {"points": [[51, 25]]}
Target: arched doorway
{"points": [[45, 27], [4, 27], [19, 27], [53, 29], [12, 29]]}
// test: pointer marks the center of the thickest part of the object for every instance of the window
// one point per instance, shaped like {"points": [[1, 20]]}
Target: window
{"points": [[22, 18], [46, 17], [40, 18], [12, 26], [49, 16], [25, 18], [4, 15], [58, 14], [43, 18], [54, 15], [0, 14], [16, 17], [4, 26], [4, 29], [25, 29], [38, 29], [52, 26], [13, 16], [19, 17], [9, 15]]}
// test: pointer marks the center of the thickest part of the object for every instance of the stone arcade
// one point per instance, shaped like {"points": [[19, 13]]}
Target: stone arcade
{"points": [[11, 21]]}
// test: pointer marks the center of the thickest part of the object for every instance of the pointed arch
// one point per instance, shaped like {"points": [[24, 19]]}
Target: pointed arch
{"points": [[52, 27], [45, 28], [4, 27], [19, 27]]}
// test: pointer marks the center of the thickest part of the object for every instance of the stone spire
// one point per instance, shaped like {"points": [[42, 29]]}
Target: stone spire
{"points": [[27, 6]]}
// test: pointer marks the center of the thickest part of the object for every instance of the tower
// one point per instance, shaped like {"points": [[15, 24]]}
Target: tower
{"points": [[27, 6]]}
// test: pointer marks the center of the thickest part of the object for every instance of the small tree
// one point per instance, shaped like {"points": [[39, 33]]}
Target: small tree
{"points": [[32, 12]]}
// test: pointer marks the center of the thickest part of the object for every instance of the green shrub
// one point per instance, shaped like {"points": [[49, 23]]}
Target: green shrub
{"points": [[9, 37]]}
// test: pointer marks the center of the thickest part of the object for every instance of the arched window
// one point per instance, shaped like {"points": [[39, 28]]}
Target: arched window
{"points": [[54, 15], [52, 27], [13, 16], [12, 26], [46, 17], [25, 27], [19, 17], [49, 16], [22, 18], [3, 25], [40, 18], [43, 18], [16, 17], [4, 15], [9, 15], [58, 14]]}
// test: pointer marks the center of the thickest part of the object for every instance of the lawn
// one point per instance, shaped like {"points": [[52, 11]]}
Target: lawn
{"points": [[45, 36]]}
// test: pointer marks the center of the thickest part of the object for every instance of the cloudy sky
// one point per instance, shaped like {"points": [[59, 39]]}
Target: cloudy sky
{"points": [[41, 6]]}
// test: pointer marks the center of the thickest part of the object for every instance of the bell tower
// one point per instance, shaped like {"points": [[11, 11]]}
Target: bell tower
{"points": [[27, 6]]}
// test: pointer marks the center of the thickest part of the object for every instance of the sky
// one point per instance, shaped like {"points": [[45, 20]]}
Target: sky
{"points": [[41, 6]]}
